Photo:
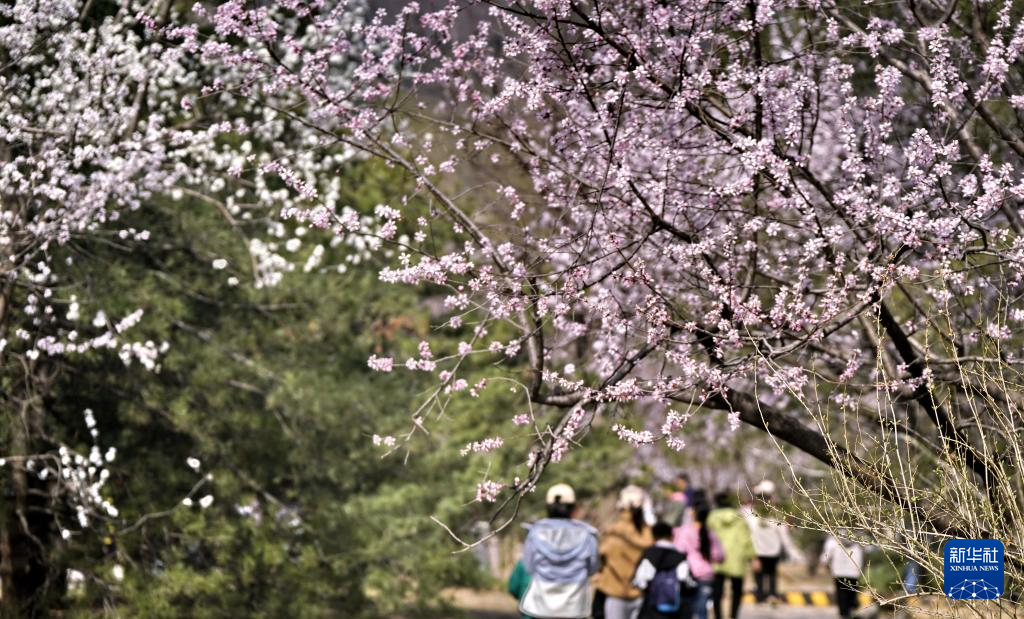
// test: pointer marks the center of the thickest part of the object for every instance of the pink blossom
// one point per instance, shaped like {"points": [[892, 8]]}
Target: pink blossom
{"points": [[486, 445], [635, 437], [425, 352], [380, 364], [713, 231], [488, 491], [386, 441]]}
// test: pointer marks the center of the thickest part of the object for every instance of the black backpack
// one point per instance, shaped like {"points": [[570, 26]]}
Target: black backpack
{"points": [[664, 592]]}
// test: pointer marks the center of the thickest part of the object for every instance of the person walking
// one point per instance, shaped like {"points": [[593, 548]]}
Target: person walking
{"points": [[664, 576], [622, 544], [559, 555], [731, 529], [911, 576], [679, 499], [772, 543], [845, 560], [703, 551]]}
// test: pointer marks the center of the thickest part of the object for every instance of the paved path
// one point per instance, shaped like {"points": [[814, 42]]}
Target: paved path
{"points": [[748, 612], [498, 605], [761, 611]]}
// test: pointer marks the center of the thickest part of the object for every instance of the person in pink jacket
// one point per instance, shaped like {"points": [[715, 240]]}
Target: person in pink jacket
{"points": [[703, 551]]}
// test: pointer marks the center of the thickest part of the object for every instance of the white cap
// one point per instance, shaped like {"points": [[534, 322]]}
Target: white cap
{"points": [[560, 493], [631, 497], [764, 487]]}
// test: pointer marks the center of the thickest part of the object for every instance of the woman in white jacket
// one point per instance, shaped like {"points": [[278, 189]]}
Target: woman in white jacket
{"points": [[845, 559], [772, 543]]}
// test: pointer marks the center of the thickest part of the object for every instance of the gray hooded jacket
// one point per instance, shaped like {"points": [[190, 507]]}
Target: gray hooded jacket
{"points": [[560, 555], [561, 550]]}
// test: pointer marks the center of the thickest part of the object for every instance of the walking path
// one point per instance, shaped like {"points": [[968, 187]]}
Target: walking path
{"points": [[758, 611], [499, 605], [804, 597]]}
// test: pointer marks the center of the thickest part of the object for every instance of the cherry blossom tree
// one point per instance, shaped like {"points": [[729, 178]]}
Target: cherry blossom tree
{"points": [[798, 215], [92, 127], [802, 216]]}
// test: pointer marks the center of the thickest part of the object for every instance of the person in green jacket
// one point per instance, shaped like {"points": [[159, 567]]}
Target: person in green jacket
{"points": [[518, 582], [732, 530]]}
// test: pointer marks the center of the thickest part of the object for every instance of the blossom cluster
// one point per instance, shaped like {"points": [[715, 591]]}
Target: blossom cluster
{"points": [[687, 202]]}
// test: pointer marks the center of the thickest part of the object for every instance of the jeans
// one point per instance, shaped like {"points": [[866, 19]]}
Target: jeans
{"points": [[735, 597], [621, 608], [765, 580], [697, 604], [911, 577]]}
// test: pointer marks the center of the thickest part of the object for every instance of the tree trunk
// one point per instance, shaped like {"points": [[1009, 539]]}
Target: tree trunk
{"points": [[26, 516], [26, 509], [26, 531]]}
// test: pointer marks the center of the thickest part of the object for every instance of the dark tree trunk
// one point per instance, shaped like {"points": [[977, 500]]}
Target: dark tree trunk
{"points": [[26, 510], [26, 531]]}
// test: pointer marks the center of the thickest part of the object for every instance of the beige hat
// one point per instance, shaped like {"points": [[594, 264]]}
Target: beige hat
{"points": [[764, 487], [631, 497], [560, 493]]}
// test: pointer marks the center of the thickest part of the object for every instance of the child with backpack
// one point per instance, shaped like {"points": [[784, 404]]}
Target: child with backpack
{"points": [[664, 576]]}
